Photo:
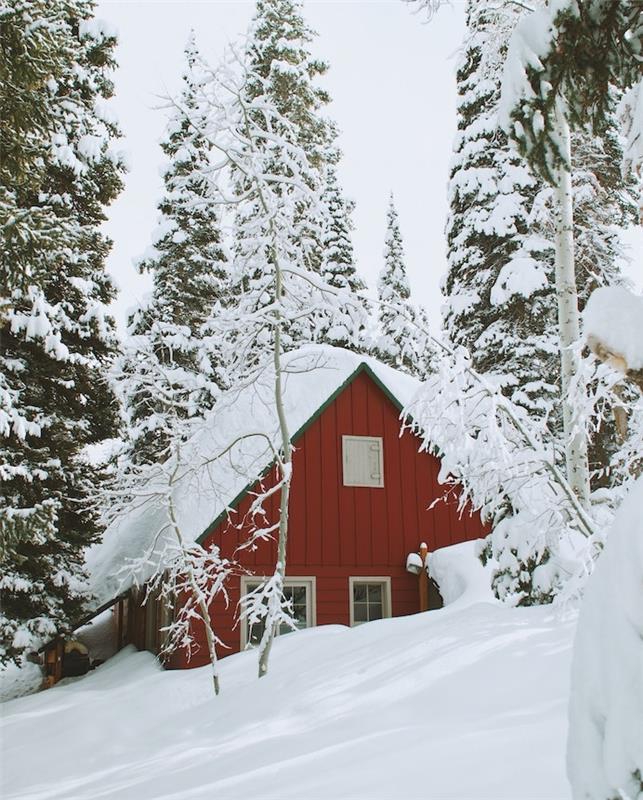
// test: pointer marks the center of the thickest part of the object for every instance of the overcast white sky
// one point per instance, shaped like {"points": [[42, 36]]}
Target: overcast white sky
{"points": [[392, 79]]}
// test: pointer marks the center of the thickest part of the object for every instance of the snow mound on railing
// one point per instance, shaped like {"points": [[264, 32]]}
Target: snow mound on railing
{"points": [[460, 575], [614, 317]]}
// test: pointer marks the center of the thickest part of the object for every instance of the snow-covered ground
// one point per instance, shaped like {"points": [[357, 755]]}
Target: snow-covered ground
{"points": [[467, 702]]}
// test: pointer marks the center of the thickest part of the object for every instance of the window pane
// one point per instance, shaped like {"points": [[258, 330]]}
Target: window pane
{"points": [[359, 592], [360, 612], [298, 594], [256, 632], [375, 593], [299, 614], [374, 611]]}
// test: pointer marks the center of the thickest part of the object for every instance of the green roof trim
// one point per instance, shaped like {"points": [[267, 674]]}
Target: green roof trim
{"points": [[363, 368]]}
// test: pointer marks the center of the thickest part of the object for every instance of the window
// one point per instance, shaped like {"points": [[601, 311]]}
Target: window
{"points": [[363, 461], [370, 599], [300, 591]]}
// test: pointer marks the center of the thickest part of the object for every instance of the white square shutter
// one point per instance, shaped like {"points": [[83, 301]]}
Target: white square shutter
{"points": [[363, 461]]}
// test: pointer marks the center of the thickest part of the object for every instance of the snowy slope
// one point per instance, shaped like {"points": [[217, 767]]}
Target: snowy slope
{"points": [[466, 702]]}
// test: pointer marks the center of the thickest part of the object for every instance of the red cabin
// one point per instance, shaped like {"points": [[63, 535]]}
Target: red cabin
{"points": [[363, 497]]}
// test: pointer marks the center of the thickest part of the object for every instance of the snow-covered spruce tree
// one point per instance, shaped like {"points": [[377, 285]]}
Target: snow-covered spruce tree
{"points": [[502, 302], [278, 54], [165, 364], [56, 340], [499, 299], [498, 285], [404, 340], [561, 63], [341, 327], [34, 56]]}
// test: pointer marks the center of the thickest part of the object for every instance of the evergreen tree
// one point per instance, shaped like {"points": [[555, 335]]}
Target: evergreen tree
{"points": [[499, 282], [587, 50], [342, 326], [167, 370], [404, 341], [34, 56], [501, 296], [282, 70], [282, 66], [56, 341]]}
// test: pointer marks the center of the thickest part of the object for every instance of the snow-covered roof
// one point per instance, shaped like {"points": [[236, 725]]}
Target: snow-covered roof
{"points": [[209, 484]]}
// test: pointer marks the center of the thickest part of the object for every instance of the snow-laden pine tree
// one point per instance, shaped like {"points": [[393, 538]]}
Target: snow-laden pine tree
{"points": [[283, 69], [166, 366], [343, 326], [502, 289], [57, 342], [546, 86], [498, 287], [404, 340]]}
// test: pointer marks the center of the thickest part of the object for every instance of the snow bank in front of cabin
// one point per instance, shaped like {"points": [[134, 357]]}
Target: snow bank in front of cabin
{"points": [[209, 485], [18, 681], [605, 747], [462, 703]]}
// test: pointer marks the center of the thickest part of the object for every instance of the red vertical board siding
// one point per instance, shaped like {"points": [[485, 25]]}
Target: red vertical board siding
{"points": [[301, 480], [345, 494], [361, 495], [393, 484], [312, 531], [379, 529], [338, 531], [408, 515], [330, 478]]}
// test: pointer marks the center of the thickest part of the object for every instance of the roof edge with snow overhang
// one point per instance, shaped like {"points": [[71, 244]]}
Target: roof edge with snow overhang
{"points": [[212, 485], [364, 369]]}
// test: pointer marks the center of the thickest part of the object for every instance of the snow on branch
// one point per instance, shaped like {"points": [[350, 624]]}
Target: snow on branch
{"points": [[491, 452], [193, 578]]}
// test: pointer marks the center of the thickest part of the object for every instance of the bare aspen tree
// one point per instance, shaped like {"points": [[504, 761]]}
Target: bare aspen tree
{"points": [[576, 461]]}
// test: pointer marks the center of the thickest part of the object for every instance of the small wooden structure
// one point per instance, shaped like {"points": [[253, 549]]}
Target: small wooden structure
{"points": [[363, 496]]}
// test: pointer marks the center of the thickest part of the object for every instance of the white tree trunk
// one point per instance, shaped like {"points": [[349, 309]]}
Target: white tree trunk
{"points": [[568, 317], [285, 469]]}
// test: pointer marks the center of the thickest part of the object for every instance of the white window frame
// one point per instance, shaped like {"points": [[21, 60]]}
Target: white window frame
{"points": [[310, 581], [387, 606], [374, 483]]}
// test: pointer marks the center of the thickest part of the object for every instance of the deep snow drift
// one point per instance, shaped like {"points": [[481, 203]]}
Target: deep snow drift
{"points": [[467, 702]]}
